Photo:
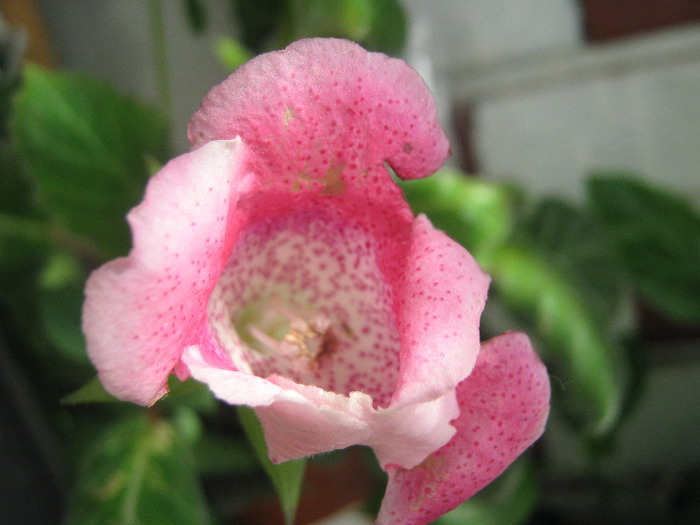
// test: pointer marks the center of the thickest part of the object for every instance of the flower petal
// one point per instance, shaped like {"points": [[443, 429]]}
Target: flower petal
{"points": [[504, 405], [298, 420], [302, 420], [439, 307], [232, 386], [322, 106], [322, 119], [306, 420], [406, 435], [141, 311]]}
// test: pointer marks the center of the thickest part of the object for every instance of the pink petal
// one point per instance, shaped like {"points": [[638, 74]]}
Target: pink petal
{"points": [[298, 420], [141, 311], [232, 386], [406, 435], [504, 405], [303, 420], [322, 104], [439, 307], [306, 420]]}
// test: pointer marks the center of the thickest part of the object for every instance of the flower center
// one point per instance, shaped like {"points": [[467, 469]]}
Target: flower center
{"points": [[301, 336], [302, 296]]}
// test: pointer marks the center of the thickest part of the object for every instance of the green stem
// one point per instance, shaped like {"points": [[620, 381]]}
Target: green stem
{"points": [[157, 30]]}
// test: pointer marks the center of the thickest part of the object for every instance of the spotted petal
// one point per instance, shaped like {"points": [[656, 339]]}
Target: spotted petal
{"points": [[503, 405], [441, 298], [322, 104], [140, 312]]}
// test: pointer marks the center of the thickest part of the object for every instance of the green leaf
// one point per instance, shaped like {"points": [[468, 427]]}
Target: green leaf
{"points": [[217, 454], [657, 236], [389, 28], [139, 471], [574, 244], [61, 313], [287, 477], [590, 368], [90, 392], [190, 393], [477, 214], [85, 148], [509, 500], [231, 53]]}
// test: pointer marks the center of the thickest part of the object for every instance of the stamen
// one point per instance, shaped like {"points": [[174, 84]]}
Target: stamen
{"points": [[268, 343], [309, 336]]}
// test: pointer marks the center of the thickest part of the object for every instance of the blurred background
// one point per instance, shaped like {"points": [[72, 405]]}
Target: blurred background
{"points": [[574, 180]]}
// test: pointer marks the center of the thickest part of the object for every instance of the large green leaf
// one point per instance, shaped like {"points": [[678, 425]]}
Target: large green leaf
{"points": [[220, 455], [139, 471], [60, 313], [657, 236], [189, 393], [85, 147], [591, 375], [287, 477], [574, 244]]}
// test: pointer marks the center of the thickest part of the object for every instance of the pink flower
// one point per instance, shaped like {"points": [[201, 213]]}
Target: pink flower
{"points": [[280, 264]]}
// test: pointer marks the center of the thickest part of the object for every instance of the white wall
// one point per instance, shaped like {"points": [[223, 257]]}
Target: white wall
{"points": [[550, 109]]}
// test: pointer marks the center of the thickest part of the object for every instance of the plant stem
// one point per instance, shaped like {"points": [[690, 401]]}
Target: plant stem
{"points": [[162, 76]]}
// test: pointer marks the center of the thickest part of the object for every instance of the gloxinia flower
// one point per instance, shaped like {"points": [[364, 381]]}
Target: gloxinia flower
{"points": [[280, 264]]}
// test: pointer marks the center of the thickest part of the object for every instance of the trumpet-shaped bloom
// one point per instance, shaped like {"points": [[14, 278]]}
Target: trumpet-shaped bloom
{"points": [[279, 263]]}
